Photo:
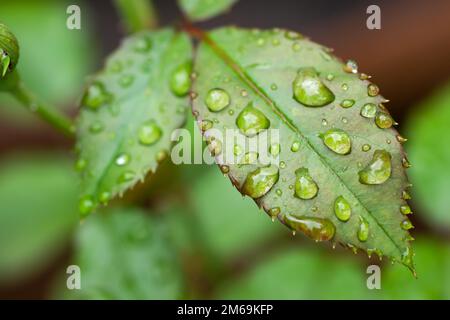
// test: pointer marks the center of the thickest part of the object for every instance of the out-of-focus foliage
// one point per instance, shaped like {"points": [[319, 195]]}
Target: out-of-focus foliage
{"points": [[125, 254], [37, 211], [429, 152], [53, 59], [198, 10]]}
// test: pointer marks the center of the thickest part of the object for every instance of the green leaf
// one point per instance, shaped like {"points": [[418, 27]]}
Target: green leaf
{"points": [[37, 212], [124, 254], [429, 152], [255, 80], [198, 10], [129, 112]]}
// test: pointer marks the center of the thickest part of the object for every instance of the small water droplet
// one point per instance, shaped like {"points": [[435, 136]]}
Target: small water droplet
{"points": [[344, 120], [401, 139], [296, 46], [149, 133], [249, 158], [372, 90], [244, 93], [115, 66], [330, 77], [81, 164], [351, 66], [364, 76], [347, 103], [104, 197], [252, 121], [95, 96], [273, 87], [324, 122], [279, 192], [273, 212], [363, 230], [161, 156], [86, 205], [405, 163], [274, 149], [214, 146], [237, 150], [305, 187], [318, 229], [366, 147], [405, 209], [126, 80], [292, 35], [342, 209], [406, 225], [217, 100], [369, 110], [295, 146], [383, 120], [96, 127], [337, 140], [225, 169], [122, 159], [180, 80], [309, 90], [143, 44], [378, 170], [406, 195], [344, 86], [260, 181], [126, 176], [205, 125]]}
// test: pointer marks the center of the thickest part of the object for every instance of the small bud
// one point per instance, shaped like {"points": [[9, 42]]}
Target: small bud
{"points": [[9, 51]]}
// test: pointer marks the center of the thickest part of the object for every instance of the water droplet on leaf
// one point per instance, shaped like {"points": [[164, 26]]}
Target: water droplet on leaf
{"points": [[149, 133], [217, 100], [305, 187], [342, 209], [260, 181], [318, 229], [309, 90], [252, 121], [378, 170], [337, 140]]}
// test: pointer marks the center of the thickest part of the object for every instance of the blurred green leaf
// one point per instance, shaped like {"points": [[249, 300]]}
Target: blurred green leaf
{"points": [[198, 10], [229, 223], [129, 112], [53, 59], [310, 274], [124, 254], [37, 211], [429, 153], [259, 80]]}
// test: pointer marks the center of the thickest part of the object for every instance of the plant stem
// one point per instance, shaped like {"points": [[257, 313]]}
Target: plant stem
{"points": [[137, 15], [46, 113]]}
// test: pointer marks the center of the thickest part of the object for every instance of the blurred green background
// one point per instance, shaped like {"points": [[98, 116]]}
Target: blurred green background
{"points": [[187, 233]]}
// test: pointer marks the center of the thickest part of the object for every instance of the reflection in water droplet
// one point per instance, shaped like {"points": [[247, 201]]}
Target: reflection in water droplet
{"points": [[369, 110], [378, 170], [305, 187], [318, 229], [252, 121], [260, 181], [363, 230], [309, 90], [180, 80], [337, 140], [217, 100], [342, 209], [149, 133], [351, 66]]}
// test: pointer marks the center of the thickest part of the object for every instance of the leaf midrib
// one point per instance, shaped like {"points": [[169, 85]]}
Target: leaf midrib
{"points": [[239, 71]]}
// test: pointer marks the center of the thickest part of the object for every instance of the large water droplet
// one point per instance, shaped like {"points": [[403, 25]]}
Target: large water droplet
{"points": [[342, 209], [383, 120], [122, 159], [180, 80], [260, 181], [378, 170], [305, 187], [309, 90], [337, 140], [363, 230], [318, 229], [217, 100], [369, 110], [149, 133], [252, 121], [95, 96]]}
